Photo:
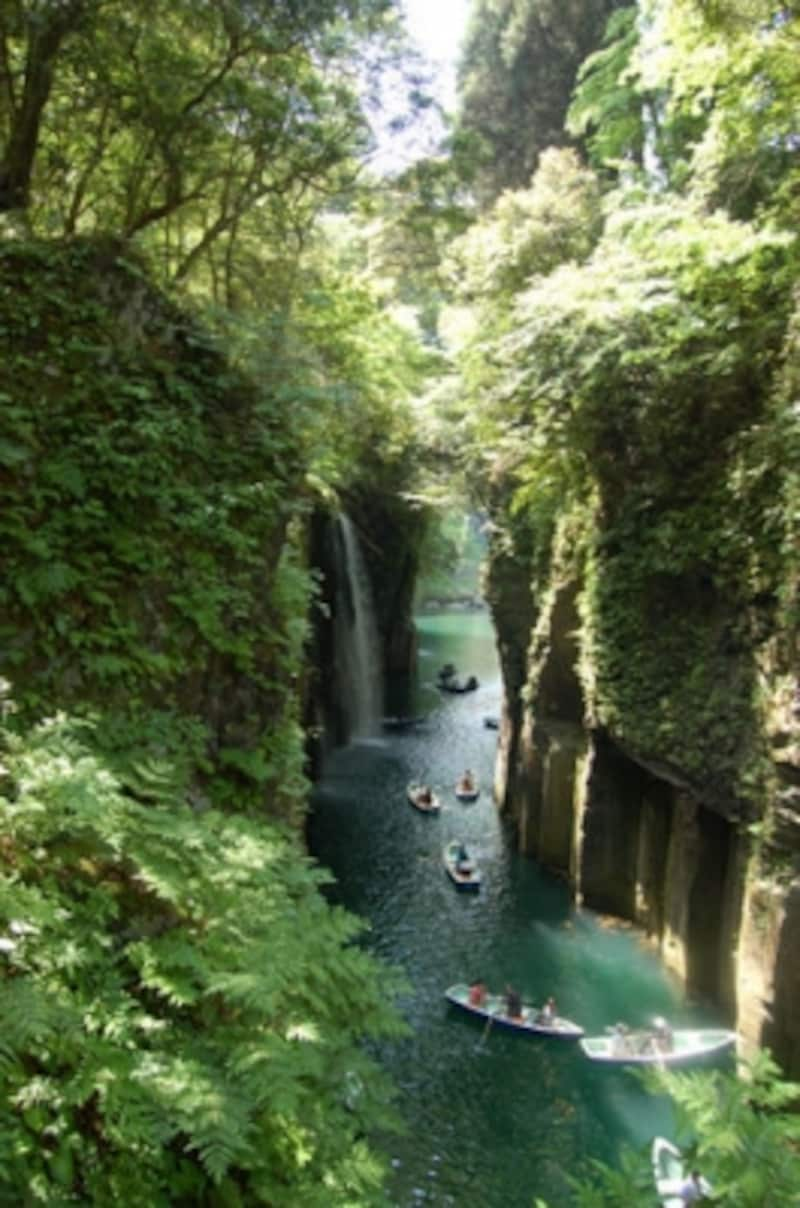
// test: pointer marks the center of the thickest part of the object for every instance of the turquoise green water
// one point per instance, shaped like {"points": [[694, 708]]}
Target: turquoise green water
{"points": [[493, 1120]]}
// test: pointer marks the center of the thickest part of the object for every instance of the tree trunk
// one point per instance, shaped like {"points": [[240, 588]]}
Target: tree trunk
{"points": [[45, 35]]}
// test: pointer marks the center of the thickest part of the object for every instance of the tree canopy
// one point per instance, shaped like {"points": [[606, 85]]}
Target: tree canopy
{"points": [[179, 121], [516, 75]]}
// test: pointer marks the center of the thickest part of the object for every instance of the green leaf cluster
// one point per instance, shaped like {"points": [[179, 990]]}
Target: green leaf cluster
{"points": [[184, 1014], [740, 1130], [517, 70], [630, 390], [150, 563], [198, 128]]}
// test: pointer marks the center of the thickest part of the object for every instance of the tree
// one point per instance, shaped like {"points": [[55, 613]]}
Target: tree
{"points": [[628, 129], [32, 37], [732, 76], [414, 218], [516, 74], [529, 232], [526, 235], [177, 118]]}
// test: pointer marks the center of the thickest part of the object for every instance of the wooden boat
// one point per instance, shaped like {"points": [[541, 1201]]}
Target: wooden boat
{"points": [[467, 790], [531, 1020], [644, 1047], [454, 683], [415, 792], [669, 1173], [403, 723], [461, 868]]}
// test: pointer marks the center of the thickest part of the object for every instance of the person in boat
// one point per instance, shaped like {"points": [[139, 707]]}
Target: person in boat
{"points": [[620, 1039], [425, 796], [548, 1012], [467, 782], [693, 1188], [513, 1003], [463, 861], [478, 994], [662, 1035]]}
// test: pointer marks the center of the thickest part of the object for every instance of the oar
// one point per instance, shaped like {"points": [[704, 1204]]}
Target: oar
{"points": [[485, 1031]]}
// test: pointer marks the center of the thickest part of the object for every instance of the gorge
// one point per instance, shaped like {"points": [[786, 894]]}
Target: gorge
{"points": [[250, 387]]}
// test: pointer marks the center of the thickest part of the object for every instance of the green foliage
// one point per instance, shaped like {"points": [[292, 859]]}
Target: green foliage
{"points": [[529, 232], [640, 391], [525, 235], [741, 1131], [183, 1011], [413, 218], [451, 556], [150, 567], [630, 130], [606, 105], [195, 126], [732, 74], [517, 71]]}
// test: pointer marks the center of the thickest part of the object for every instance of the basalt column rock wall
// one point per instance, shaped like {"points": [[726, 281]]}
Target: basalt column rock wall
{"points": [[637, 839], [510, 598], [391, 531]]}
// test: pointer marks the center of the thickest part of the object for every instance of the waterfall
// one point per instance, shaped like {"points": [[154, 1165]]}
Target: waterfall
{"points": [[359, 680]]}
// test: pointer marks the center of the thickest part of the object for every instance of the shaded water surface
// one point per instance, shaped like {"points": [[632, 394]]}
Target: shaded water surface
{"points": [[495, 1119]]}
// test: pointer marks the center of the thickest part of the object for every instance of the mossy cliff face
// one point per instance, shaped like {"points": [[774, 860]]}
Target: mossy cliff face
{"points": [[641, 835], [652, 743], [508, 589], [148, 495], [392, 531]]}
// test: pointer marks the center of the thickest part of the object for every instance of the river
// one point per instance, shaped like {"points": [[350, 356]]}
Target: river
{"points": [[493, 1119]]}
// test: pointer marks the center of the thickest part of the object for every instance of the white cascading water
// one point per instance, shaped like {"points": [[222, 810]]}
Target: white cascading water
{"points": [[358, 650]]}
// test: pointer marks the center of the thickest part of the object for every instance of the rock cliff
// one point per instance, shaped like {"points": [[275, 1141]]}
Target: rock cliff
{"points": [[707, 872]]}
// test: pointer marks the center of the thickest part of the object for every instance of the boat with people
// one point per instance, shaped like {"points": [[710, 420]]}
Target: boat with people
{"points": [[460, 865], [658, 1045], [423, 798], [675, 1186], [516, 1015], [467, 787], [456, 684]]}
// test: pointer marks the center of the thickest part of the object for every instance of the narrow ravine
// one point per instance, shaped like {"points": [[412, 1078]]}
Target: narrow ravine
{"points": [[496, 1119]]}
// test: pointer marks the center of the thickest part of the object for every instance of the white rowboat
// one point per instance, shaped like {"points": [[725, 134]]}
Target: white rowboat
{"points": [[415, 794], [461, 868], [644, 1048], [669, 1174]]}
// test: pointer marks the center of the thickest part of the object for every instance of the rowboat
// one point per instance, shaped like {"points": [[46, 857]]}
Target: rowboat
{"points": [[467, 790], [460, 866], [530, 1020], [403, 723], [416, 797], [456, 684], [669, 1174], [645, 1047]]}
